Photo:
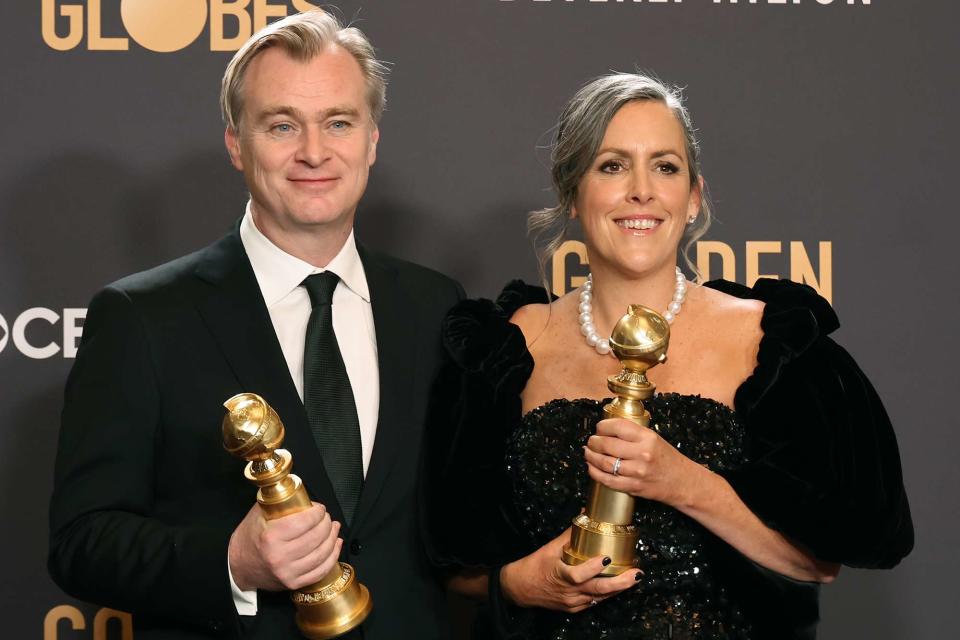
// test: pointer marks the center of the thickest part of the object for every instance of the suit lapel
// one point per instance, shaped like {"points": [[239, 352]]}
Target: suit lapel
{"points": [[237, 317], [396, 331]]}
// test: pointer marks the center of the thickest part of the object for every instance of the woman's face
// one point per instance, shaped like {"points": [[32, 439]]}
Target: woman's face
{"points": [[635, 199]]}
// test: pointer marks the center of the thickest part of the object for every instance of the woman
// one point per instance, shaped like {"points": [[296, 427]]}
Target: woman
{"points": [[769, 460]]}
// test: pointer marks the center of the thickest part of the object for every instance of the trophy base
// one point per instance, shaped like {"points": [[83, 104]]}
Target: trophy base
{"points": [[590, 538], [334, 611]]}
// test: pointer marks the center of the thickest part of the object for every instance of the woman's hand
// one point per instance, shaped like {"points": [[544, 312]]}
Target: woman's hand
{"points": [[649, 467], [541, 579], [653, 469]]}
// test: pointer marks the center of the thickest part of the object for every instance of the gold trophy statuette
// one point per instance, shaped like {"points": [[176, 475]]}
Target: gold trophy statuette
{"points": [[253, 431], [639, 341]]}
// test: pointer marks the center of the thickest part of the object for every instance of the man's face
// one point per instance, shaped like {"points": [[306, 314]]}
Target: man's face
{"points": [[305, 142]]}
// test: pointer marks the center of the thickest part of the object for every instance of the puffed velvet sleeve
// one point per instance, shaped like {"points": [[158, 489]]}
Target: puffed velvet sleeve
{"points": [[824, 465], [469, 523]]}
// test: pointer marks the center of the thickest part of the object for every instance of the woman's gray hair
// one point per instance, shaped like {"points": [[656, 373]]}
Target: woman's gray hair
{"points": [[304, 36], [580, 131]]}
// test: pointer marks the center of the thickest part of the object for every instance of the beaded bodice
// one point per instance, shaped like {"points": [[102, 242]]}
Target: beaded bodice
{"points": [[680, 595]]}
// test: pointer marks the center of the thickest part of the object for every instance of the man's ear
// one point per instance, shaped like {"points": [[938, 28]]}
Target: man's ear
{"points": [[374, 139], [232, 141]]}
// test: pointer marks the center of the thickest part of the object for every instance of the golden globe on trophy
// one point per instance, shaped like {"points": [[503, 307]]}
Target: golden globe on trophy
{"points": [[639, 341], [253, 431]]}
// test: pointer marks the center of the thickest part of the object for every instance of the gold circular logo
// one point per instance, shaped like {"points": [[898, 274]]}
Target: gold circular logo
{"points": [[164, 25]]}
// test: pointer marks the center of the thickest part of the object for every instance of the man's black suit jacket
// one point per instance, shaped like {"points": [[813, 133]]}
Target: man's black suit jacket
{"points": [[145, 497]]}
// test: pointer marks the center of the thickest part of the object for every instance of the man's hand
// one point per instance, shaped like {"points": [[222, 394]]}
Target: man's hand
{"points": [[286, 553]]}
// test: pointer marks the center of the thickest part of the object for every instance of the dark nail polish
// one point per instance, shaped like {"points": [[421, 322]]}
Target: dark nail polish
{"points": [[638, 575], [606, 560]]}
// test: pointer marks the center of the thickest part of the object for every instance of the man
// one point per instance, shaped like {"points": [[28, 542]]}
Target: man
{"points": [[149, 513]]}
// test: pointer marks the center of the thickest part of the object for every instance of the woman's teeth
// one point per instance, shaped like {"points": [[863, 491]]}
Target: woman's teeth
{"points": [[638, 223]]}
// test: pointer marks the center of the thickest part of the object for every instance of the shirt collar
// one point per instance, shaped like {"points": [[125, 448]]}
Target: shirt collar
{"points": [[278, 273]]}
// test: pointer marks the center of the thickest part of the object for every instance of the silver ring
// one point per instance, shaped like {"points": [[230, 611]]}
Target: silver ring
{"points": [[616, 466], [593, 602]]}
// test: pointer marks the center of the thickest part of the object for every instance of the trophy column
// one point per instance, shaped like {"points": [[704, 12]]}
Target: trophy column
{"points": [[605, 528], [253, 431]]}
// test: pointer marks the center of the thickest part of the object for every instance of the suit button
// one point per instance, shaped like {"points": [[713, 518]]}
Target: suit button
{"points": [[356, 547]]}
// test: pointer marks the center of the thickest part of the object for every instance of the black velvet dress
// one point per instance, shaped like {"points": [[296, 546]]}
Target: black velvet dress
{"points": [[808, 447]]}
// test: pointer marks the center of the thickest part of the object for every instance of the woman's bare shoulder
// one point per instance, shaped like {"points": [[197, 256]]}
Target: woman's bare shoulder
{"points": [[723, 306], [728, 319], [532, 320], [535, 319]]}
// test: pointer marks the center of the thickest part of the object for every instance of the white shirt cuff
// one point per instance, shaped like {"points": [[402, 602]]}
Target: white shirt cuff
{"points": [[244, 601]]}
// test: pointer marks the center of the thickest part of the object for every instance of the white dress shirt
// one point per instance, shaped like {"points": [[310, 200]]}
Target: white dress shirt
{"points": [[280, 275]]}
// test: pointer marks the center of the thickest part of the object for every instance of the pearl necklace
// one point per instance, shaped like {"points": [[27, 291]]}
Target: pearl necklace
{"points": [[589, 330]]}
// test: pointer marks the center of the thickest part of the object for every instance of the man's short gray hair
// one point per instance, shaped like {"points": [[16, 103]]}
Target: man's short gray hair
{"points": [[304, 36]]}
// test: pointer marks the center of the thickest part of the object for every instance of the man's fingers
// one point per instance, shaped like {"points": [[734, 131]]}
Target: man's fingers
{"points": [[317, 558], [318, 570], [327, 565], [297, 524], [324, 567], [329, 537], [288, 552], [289, 558], [298, 568], [316, 551]]}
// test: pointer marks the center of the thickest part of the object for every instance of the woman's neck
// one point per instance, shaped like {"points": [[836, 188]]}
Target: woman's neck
{"points": [[613, 291]]}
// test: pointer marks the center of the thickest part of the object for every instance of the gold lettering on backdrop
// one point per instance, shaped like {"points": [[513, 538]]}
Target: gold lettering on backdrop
{"points": [[48, 25], [164, 25], [560, 284], [58, 613], [802, 271], [219, 10], [101, 623], [754, 249], [728, 262], [263, 10], [95, 40], [104, 616], [801, 268], [239, 14]]}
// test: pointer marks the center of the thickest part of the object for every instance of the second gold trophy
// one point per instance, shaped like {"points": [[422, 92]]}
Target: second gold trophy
{"points": [[252, 430], [605, 528]]}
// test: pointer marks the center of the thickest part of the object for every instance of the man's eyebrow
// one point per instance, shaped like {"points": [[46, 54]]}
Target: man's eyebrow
{"points": [[342, 110], [286, 110], [279, 110]]}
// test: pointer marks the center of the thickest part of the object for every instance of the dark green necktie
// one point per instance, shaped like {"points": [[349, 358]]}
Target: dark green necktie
{"points": [[328, 397]]}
